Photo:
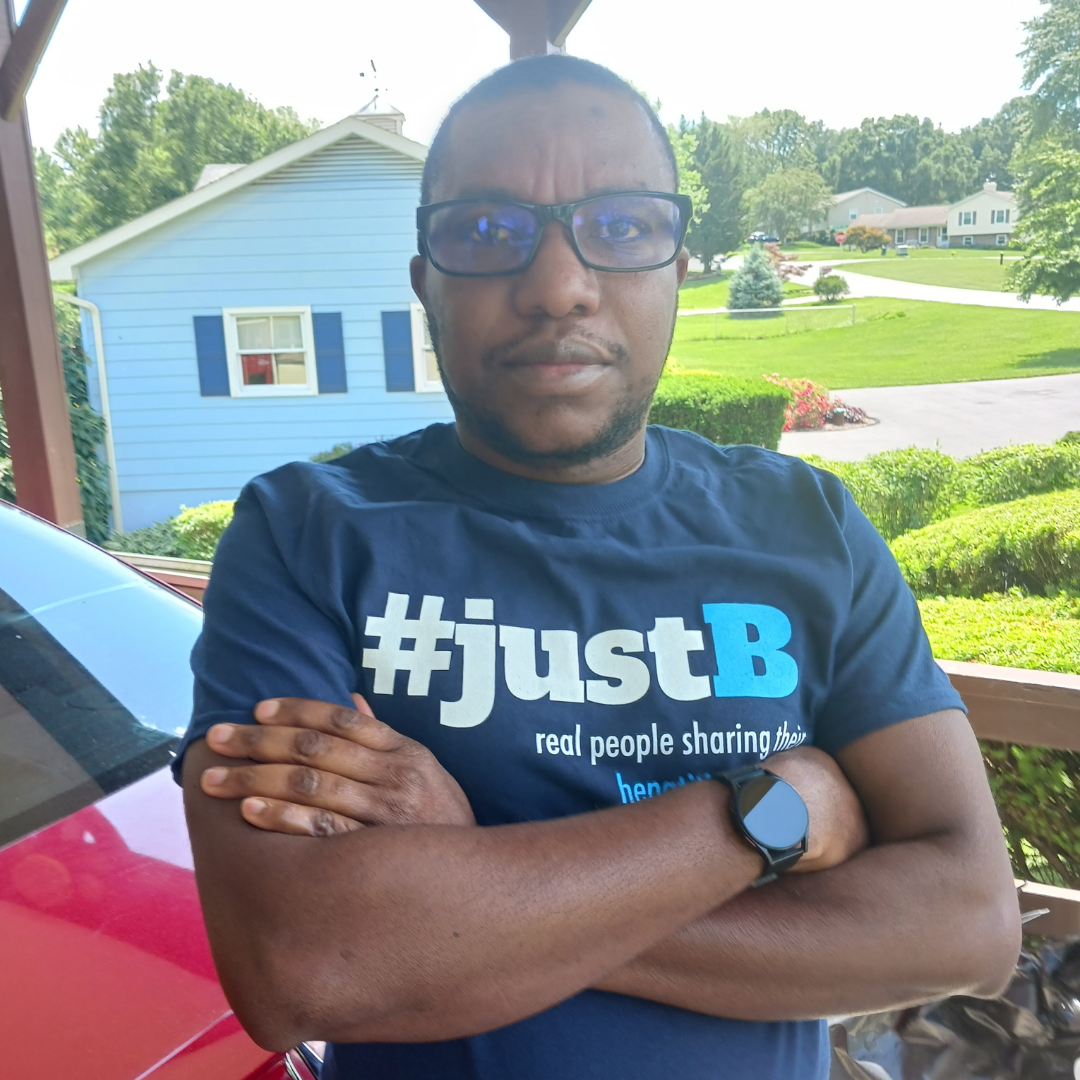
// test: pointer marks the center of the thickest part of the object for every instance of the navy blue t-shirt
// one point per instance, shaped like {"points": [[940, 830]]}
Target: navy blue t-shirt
{"points": [[562, 648]]}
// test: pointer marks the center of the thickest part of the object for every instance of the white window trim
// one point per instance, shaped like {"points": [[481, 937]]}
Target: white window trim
{"points": [[421, 383], [924, 236], [1002, 239], [969, 241], [232, 346]]}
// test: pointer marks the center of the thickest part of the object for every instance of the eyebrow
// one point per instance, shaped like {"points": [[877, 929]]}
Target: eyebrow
{"points": [[501, 194]]}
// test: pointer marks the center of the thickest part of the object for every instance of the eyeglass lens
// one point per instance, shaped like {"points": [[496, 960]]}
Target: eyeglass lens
{"points": [[618, 232]]}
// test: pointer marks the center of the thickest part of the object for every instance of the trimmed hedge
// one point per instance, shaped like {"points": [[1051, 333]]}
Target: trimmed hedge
{"points": [[1036, 789], [157, 539], [1013, 472], [1033, 543], [199, 528], [897, 490], [725, 409]]}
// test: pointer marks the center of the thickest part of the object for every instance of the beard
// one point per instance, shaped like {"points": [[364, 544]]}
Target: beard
{"points": [[625, 421]]}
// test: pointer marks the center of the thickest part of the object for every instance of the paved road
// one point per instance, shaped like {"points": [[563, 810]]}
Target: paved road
{"points": [[958, 418]]}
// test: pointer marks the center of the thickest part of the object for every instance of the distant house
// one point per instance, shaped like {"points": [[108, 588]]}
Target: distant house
{"points": [[849, 205], [263, 317], [920, 226], [983, 220]]}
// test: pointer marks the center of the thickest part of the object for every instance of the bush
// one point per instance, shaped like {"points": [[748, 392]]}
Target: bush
{"points": [[755, 284], [809, 405], [1013, 472], [865, 237], [158, 539], [199, 528], [338, 450], [898, 490], [1033, 543], [830, 287], [1070, 438], [723, 408], [1035, 788]]}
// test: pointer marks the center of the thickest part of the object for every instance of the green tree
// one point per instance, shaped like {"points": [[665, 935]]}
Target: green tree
{"points": [[1051, 56], [717, 155], [1049, 226], [150, 149], [788, 198], [684, 144], [994, 140], [783, 139], [755, 284]]}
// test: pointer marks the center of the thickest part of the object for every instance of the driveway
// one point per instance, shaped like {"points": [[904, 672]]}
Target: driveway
{"points": [[959, 419]]}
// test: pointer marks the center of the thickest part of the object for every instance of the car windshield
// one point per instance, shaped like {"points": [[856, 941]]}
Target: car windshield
{"points": [[95, 686]]}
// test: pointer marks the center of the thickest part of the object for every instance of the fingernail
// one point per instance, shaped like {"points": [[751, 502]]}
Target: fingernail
{"points": [[220, 733], [266, 709], [255, 806], [215, 776]]}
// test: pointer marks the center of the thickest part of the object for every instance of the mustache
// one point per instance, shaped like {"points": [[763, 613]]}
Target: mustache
{"points": [[580, 346]]}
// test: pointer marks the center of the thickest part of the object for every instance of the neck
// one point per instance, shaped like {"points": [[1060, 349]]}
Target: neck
{"points": [[620, 463]]}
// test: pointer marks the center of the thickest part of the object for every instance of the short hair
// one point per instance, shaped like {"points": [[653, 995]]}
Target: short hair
{"points": [[538, 73]]}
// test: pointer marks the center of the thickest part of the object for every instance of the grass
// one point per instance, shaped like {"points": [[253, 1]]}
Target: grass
{"points": [[835, 253], [712, 292], [898, 343], [958, 273]]}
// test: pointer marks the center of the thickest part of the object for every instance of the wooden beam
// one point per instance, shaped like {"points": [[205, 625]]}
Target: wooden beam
{"points": [[1031, 708], [31, 371], [25, 52], [535, 27], [1063, 918]]}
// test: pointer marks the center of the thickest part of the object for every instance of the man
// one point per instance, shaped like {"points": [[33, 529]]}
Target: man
{"points": [[525, 867]]}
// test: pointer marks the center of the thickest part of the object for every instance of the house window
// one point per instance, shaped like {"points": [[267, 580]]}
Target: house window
{"points": [[426, 377], [967, 217], [924, 236], [878, 210], [271, 351], [969, 241], [901, 236], [852, 215], [1002, 240]]}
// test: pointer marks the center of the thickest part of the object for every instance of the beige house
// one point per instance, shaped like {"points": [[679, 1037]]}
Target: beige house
{"points": [[986, 219], [850, 205], [916, 226]]}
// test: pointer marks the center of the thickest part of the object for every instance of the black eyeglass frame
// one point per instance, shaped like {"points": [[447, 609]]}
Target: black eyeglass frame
{"points": [[562, 213]]}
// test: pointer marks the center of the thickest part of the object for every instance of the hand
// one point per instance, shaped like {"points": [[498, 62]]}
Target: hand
{"points": [[838, 828], [325, 769]]}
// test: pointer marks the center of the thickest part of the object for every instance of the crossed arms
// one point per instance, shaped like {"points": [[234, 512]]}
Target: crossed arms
{"points": [[368, 906]]}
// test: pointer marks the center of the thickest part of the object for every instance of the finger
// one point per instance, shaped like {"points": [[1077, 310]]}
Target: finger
{"points": [[293, 783], [274, 815], [337, 720], [361, 704], [301, 746]]}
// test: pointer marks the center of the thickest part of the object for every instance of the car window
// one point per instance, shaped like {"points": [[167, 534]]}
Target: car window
{"points": [[95, 686]]}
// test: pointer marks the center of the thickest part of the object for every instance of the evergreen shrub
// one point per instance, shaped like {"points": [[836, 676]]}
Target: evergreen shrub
{"points": [[755, 284], [157, 539], [199, 528], [1013, 472], [1032, 543], [725, 409]]}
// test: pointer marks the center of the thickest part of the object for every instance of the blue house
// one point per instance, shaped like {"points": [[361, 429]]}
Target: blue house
{"points": [[260, 319]]}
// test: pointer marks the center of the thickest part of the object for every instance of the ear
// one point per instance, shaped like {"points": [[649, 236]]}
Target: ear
{"points": [[418, 275], [682, 265]]}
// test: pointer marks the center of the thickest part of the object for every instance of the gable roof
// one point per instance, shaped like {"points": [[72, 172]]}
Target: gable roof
{"points": [[1008, 197], [841, 196], [906, 217], [63, 267]]}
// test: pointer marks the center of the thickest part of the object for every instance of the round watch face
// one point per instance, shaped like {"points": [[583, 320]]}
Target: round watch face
{"points": [[773, 812]]}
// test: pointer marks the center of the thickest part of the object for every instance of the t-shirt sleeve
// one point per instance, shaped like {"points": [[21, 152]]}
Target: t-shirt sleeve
{"points": [[264, 635], [883, 670]]}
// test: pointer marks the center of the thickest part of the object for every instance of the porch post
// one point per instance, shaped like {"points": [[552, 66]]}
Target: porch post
{"points": [[31, 371], [535, 27]]}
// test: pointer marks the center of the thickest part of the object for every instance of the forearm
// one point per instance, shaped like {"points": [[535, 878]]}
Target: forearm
{"points": [[430, 932], [898, 924]]}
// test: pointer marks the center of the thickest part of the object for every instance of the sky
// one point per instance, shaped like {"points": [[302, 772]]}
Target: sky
{"points": [[952, 60]]}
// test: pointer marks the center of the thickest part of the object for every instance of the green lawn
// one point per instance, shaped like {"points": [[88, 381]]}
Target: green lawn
{"points": [[712, 292], [985, 273], [893, 343], [818, 253]]}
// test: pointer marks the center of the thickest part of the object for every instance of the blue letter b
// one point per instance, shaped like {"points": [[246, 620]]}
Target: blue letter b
{"points": [[775, 674]]}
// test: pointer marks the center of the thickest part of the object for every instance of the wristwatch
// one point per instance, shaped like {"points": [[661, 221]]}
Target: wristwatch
{"points": [[771, 815]]}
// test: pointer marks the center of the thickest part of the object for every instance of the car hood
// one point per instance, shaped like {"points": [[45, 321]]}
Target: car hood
{"points": [[105, 970]]}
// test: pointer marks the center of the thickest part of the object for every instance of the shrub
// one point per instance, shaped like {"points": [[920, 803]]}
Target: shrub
{"points": [[1070, 438], [865, 237], [1035, 788], [723, 408], [830, 287], [898, 490], [199, 528], [809, 405], [1033, 543], [158, 539], [1013, 472], [755, 284], [338, 450]]}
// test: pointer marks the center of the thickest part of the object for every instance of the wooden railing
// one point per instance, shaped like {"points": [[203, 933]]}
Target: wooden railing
{"points": [[1013, 705]]}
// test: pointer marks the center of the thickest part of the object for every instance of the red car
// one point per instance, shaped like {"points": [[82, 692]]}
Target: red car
{"points": [[105, 971]]}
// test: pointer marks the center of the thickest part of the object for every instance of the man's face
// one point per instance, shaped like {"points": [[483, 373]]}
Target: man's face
{"points": [[556, 364]]}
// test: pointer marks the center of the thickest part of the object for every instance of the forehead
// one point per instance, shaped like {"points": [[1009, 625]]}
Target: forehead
{"points": [[554, 145]]}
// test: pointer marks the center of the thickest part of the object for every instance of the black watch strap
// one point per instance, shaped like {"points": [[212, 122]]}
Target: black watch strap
{"points": [[777, 860]]}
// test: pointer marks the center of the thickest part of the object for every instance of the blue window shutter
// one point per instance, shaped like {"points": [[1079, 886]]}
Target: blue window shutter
{"points": [[211, 356], [329, 352], [397, 350]]}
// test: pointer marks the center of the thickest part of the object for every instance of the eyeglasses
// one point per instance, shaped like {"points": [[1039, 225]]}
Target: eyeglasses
{"points": [[624, 232]]}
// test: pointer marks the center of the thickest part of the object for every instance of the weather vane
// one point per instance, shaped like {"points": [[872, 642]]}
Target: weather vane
{"points": [[375, 80]]}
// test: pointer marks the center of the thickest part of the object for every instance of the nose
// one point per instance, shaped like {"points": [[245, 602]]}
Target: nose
{"points": [[557, 283]]}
